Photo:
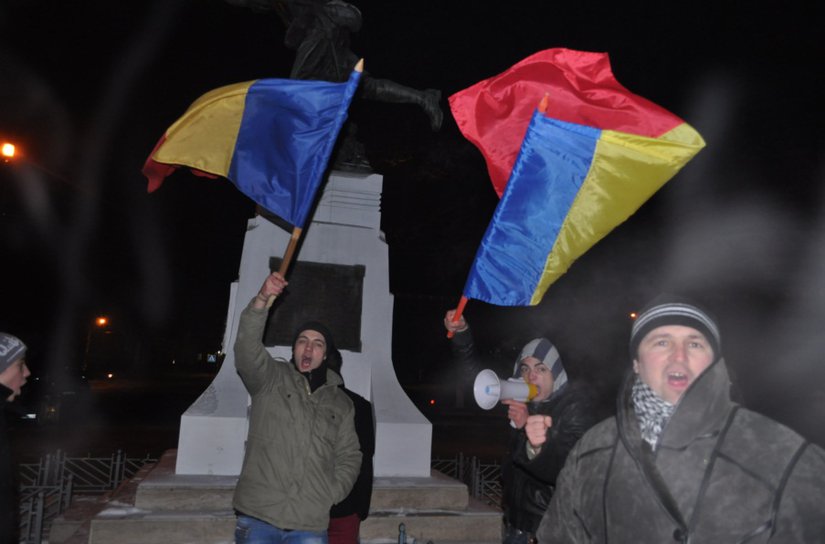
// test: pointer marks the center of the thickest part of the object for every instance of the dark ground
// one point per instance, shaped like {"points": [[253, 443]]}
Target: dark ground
{"points": [[138, 417]]}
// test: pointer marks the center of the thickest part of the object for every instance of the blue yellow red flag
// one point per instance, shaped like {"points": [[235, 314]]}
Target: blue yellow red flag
{"points": [[570, 185], [494, 113], [272, 138]]}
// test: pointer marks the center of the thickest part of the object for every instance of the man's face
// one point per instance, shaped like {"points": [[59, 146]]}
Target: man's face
{"points": [[534, 371], [309, 351], [670, 358], [14, 377]]}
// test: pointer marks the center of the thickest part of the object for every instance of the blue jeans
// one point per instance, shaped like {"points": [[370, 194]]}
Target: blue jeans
{"points": [[254, 531]]}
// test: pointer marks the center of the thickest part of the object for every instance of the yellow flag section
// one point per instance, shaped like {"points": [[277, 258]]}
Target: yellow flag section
{"points": [[626, 170], [204, 136]]}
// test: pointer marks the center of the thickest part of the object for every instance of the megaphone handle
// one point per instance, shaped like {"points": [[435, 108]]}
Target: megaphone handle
{"points": [[458, 311]]}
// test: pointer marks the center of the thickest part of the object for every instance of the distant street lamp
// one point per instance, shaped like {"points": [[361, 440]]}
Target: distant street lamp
{"points": [[100, 321], [7, 151]]}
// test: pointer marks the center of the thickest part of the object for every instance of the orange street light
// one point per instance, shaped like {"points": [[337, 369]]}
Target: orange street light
{"points": [[10, 153], [101, 321], [7, 151]]}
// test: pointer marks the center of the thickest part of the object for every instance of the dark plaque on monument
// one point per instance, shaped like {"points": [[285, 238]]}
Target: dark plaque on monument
{"points": [[329, 293]]}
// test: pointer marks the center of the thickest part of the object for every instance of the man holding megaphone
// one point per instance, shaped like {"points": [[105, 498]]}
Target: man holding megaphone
{"points": [[548, 414]]}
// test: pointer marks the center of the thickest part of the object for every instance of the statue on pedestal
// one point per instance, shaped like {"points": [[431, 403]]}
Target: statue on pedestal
{"points": [[319, 31]]}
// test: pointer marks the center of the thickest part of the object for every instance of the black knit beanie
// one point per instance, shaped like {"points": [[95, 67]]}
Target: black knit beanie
{"points": [[667, 309], [316, 326]]}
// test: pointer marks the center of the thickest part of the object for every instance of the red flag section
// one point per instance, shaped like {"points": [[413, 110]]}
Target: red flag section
{"points": [[581, 89]]}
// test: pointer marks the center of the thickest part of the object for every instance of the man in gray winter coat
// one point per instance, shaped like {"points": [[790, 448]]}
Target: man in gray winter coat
{"points": [[302, 453], [681, 462]]}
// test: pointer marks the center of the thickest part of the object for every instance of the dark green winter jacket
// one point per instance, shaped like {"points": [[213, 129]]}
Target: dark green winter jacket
{"points": [[302, 454]]}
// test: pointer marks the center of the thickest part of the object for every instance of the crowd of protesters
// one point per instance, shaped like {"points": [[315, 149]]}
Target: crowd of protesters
{"points": [[679, 460]]}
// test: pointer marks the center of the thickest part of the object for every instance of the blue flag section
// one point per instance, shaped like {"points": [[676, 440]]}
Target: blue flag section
{"points": [[570, 186], [271, 137], [549, 171], [285, 142]]}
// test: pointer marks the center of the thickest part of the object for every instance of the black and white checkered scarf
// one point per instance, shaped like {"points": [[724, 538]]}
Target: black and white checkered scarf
{"points": [[651, 410]]}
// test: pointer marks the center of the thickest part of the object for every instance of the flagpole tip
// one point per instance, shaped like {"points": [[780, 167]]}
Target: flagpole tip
{"points": [[359, 66], [543, 104]]}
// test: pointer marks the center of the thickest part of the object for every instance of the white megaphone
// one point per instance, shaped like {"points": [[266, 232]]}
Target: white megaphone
{"points": [[488, 389]]}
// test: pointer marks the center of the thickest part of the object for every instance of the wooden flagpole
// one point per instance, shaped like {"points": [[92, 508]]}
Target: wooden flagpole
{"points": [[296, 231], [288, 254]]}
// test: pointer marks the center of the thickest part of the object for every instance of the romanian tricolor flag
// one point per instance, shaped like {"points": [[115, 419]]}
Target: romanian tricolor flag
{"points": [[271, 137], [583, 167]]}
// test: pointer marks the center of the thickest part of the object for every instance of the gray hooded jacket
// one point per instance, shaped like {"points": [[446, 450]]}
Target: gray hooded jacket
{"points": [[720, 474]]}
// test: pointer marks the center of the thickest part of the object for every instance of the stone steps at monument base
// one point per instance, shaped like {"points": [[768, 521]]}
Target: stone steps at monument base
{"points": [[438, 492], [133, 527], [395, 541], [119, 525], [477, 523], [158, 506], [162, 489], [172, 492]]}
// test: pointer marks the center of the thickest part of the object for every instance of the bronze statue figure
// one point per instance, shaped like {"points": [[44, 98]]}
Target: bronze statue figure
{"points": [[319, 31]]}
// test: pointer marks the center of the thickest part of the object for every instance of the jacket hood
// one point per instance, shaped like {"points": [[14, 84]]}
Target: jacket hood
{"points": [[543, 350]]}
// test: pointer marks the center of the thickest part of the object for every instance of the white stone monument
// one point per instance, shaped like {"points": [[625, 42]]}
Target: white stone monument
{"points": [[345, 230]]}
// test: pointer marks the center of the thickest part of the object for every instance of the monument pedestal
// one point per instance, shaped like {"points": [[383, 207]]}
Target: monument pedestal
{"points": [[345, 231]]}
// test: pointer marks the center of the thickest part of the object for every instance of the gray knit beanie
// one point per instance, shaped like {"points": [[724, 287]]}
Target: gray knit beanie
{"points": [[543, 350], [11, 349], [667, 309]]}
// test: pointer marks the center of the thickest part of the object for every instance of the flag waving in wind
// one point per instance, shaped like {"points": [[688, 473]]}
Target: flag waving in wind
{"points": [[494, 113], [272, 138], [580, 168]]}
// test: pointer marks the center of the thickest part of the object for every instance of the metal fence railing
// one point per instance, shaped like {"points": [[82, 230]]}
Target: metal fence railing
{"points": [[90, 474], [47, 487], [483, 479], [39, 505]]}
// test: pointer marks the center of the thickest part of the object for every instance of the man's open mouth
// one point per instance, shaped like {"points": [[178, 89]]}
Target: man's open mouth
{"points": [[677, 379]]}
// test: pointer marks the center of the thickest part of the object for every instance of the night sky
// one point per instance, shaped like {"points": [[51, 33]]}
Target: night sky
{"points": [[86, 88]]}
